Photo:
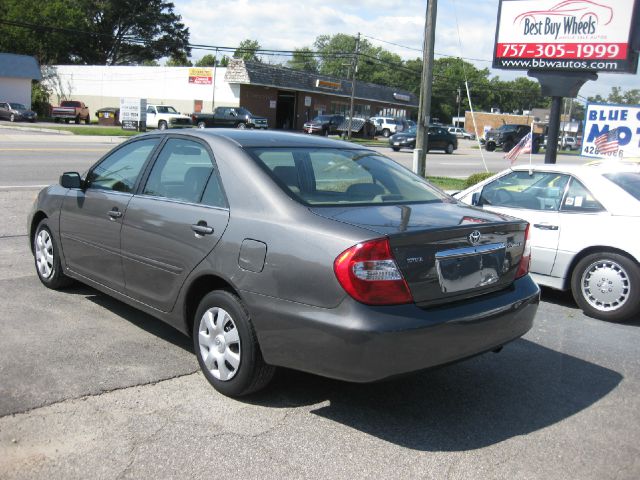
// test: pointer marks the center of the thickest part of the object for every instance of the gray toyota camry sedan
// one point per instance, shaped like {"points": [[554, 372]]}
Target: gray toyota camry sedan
{"points": [[280, 249]]}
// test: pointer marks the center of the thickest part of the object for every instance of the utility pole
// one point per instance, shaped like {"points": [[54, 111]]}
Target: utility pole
{"points": [[458, 100], [424, 110], [354, 70]]}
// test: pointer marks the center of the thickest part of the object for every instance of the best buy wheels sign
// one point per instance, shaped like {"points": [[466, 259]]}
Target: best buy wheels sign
{"points": [[570, 35]]}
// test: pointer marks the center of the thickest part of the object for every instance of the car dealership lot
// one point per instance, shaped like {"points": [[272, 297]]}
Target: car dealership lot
{"points": [[90, 386]]}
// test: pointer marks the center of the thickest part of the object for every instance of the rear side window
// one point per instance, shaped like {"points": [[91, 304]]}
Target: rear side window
{"points": [[181, 171], [628, 181], [579, 199], [119, 171], [334, 177]]}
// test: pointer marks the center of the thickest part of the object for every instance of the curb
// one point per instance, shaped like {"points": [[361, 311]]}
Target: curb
{"points": [[35, 129]]}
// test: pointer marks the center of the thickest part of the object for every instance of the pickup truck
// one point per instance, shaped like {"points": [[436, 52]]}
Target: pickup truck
{"points": [[165, 116], [508, 136], [71, 110], [229, 117]]}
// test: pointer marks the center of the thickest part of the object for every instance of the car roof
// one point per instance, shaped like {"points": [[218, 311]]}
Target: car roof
{"points": [[262, 138], [595, 167]]}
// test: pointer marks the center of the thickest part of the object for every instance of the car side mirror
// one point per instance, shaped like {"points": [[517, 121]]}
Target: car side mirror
{"points": [[475, 198], [71, 180]]}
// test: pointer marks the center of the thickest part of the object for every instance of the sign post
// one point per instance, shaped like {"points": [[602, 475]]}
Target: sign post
{"points": [[133, 114]]}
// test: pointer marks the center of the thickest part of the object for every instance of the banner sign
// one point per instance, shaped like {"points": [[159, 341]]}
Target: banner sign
{"points": [[611, 131], [201, 76], [568, 35], [133, 114]]}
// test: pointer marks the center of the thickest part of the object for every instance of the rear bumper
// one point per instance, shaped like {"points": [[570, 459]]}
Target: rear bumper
{"points": [[360, 343]]}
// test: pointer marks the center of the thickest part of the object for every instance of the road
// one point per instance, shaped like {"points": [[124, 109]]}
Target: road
{"points": [[91, 387]]}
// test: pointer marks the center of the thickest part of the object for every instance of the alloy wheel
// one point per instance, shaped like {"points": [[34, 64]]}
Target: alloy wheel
{"points": [[605, 285]]}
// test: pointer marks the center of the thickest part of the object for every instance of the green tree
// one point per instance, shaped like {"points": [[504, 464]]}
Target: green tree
{"points": [[207, 61], [94, 32], [304, 59], [224, 61], [247, 50], [617, 95], [178, 60]]}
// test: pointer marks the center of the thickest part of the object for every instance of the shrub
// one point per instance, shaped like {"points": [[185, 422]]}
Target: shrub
{"points": [[477, 178]]}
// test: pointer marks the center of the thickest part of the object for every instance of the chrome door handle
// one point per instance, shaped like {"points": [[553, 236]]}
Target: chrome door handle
{"points": [[201, 228], [545, 226], [114, 214]]}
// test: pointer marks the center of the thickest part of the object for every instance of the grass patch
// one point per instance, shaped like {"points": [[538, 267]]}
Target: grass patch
{"points": [[369, 142], [448, 183], [91, 130]]}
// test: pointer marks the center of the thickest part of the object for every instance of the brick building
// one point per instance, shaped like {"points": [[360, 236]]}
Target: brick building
{"points": [[286, 97]]}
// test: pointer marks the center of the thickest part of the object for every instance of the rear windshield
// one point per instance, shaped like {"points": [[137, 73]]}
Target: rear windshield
{"points": [[335, 177], [628, 181]]}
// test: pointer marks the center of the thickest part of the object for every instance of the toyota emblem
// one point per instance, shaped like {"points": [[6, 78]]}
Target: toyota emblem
{"points": [[474, 237]]}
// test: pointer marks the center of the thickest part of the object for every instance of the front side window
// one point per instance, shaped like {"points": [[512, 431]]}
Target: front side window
{"points": [[181, 171], [120, 170], [166, 109], [336, 177], [538, 191]]}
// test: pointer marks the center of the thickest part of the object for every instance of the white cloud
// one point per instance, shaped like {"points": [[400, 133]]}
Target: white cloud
{"points": [[289, 24]]}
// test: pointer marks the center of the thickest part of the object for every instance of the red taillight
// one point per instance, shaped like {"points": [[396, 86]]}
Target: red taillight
{"points": [[369, 273], [523, 267]]}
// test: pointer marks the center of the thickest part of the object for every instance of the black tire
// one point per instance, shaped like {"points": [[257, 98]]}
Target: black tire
{"points": [[162, 125], [449, 149], [507, 146], [386, 133], [66, 120], [56, 120], [490, 146], [395, 149], [12, 118], [47, 258], [535, 148], [241, 125], [325, 132], [201, 124], [227, 314], [606, 286], [77, 120], [87, 120]]}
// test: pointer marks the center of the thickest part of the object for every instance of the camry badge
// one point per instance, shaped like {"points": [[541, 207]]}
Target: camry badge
{"points": [[474, 237]]}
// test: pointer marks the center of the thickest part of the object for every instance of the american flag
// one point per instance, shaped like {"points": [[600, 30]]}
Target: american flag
{"points": [[608, 142], [523, 146]]}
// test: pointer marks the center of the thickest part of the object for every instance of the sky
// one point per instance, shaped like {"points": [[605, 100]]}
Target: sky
{"points": [[290, 24]]}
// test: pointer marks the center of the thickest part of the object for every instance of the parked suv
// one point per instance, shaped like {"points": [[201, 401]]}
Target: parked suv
{"points": [[324, 125], [508, 136], [386, 126]]}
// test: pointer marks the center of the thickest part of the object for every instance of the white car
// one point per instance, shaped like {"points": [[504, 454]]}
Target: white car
{"points": [[584, 229], [165, 116]]}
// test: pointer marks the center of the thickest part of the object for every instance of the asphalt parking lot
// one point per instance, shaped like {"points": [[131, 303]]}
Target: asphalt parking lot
{"points": [[92, 387]]}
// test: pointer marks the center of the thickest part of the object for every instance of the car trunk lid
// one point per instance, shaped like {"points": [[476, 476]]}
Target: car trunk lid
{"points": [[445, 251]]}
